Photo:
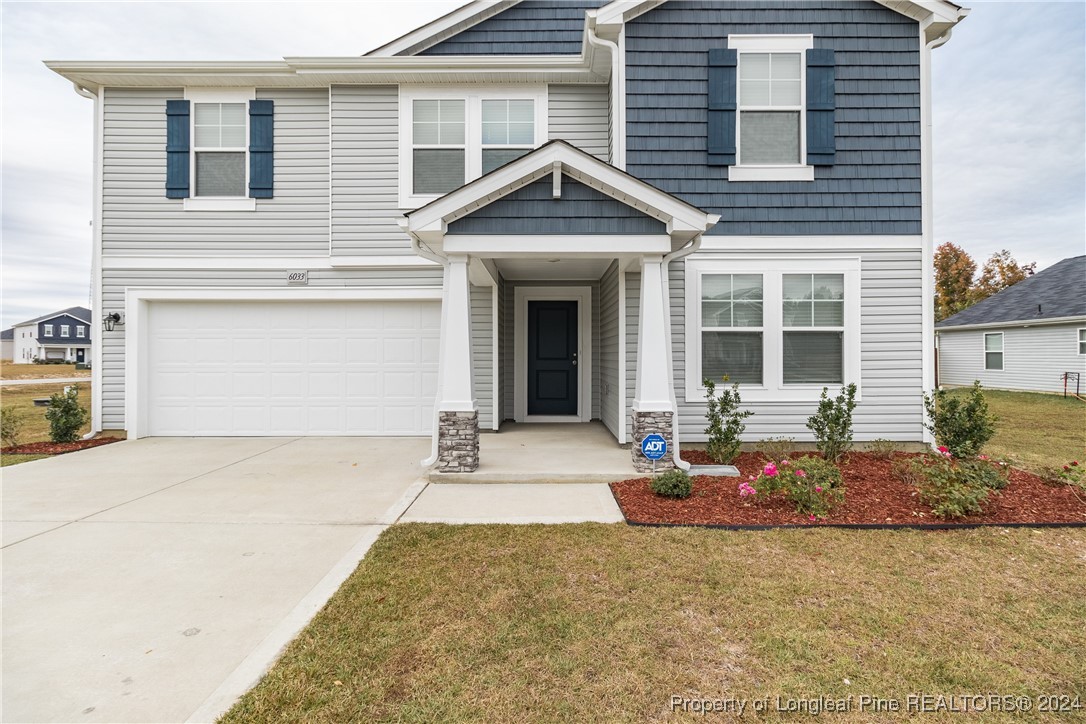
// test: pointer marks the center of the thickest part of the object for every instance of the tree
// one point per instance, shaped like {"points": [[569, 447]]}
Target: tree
{"points": [[954, 271], [999, 272]]}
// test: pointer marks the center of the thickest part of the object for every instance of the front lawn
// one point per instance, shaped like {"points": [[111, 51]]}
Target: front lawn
{"points": [[607, 623], [35, 426], [12, 371], [1037, 430]]}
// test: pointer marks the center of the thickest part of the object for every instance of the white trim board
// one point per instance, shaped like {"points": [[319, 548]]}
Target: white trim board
{"points": [[847, 244], [583, 296], [268, 262]]}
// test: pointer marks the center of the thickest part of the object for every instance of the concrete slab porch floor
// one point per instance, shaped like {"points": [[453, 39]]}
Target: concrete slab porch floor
{"points": [[547, 453]]}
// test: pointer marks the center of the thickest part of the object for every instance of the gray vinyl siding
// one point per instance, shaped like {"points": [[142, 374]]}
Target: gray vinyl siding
{"points": [[138, 219], [507, 347], [531, 27], [482, 352], [873, 187], [609, 362], [115, 281], [891, 356], [580, 114], [1033, 357], [532, 209], [365, 154]]}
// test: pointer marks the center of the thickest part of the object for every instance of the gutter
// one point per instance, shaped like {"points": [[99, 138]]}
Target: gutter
{"points": [[618, 110], [1012, 323]]}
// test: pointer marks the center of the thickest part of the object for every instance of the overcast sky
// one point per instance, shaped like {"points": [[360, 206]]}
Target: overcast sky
{"points": [[1010, 118]]}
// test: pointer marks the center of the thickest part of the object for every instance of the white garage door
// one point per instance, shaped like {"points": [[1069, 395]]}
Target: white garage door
{"points": [[291, 368]]}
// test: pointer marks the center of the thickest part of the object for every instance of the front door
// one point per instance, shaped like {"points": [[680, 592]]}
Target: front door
{"points": [[80, 355], [552, 357]]}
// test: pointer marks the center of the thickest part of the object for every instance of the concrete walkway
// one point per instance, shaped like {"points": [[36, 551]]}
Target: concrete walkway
{"points": [[45, 381], [519, 503]]}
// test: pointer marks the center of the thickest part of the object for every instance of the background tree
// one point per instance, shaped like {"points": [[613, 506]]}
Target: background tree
{"points": [[999, 272], [954, 272]]}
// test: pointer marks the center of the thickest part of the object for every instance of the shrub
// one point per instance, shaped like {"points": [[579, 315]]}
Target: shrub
{"points": [[813, 485], [882, 449], [66, 416], [673, 484], [1072, 474], [963, 426], [776, 449], [904, 470], [726, 425], [948, 487], [11, 426], [832, 423]]}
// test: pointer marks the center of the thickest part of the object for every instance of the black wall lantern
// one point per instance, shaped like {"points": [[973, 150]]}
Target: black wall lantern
{"points": [[110, 321]]}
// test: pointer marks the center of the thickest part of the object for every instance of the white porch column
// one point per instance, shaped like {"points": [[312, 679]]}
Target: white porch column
{"points": [[653, 408], [457, 410]]}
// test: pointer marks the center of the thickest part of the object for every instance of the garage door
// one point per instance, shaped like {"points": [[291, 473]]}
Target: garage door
{"points": [[291, 368]]}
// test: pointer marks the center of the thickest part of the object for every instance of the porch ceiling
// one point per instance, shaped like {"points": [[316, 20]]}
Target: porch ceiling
{"points": [[571, 269]]}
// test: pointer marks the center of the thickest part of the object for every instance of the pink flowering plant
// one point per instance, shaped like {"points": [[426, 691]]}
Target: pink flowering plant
{"points": [[812, 484], [1073, 474], [955, 487]]}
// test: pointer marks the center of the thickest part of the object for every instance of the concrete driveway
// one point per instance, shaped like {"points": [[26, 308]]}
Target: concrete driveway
{"points": [[151, 580]]}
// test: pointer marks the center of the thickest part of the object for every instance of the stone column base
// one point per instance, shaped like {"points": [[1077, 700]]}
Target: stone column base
{"points": [[645, 424], [458, 442]]}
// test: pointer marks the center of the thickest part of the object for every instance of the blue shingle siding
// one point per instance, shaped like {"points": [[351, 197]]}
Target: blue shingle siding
{"points": [[532, 27], [531, 209], [873, 187], [69, 338]]}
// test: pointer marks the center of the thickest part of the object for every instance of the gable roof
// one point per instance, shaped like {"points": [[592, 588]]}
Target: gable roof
{"points": [[81, 313], [941, 15], [683, 220], [1057, 292], [7, 334]]}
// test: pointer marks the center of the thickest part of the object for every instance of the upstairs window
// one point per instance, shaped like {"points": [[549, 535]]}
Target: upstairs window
{"points": [[81, 331], [48, 330], [770, 108], [65, 330], [219, 147], [508, 131]]}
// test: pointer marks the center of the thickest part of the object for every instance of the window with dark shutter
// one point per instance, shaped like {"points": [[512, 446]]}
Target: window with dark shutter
{"points": [[261, 149], [722, 107], [177, 149]]}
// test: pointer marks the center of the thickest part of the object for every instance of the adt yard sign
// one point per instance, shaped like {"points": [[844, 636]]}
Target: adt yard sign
{"points": [[654, 447]]}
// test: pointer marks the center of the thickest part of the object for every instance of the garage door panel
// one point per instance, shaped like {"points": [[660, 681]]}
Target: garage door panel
{"points": [[309, 368]]}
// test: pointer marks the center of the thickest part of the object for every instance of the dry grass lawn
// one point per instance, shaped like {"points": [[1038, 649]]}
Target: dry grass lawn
{"points": [[21, 397], [606, 623], [11, 371]]}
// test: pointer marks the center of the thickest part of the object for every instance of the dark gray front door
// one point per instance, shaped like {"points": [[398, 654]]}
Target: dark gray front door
{"points": [[80, 355], [552, 358]]}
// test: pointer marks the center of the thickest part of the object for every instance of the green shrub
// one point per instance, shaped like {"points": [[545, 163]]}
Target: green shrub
{"points": [[726, 426], [882, 449], [812, 484], [11, 426], [1072, 474], [674, 483], [776, 449], [832, 423], [66, 416], [964, 427], [948, 487], [904, 470]]}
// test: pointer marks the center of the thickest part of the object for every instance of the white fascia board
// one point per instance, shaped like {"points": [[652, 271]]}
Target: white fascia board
{"points": [[621, 11], [810, 243], [260, 294], [1015, 323], [444, 27], [260, 262], [545, 245]]}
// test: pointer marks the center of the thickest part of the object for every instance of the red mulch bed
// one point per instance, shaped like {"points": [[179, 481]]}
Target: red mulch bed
{"points": [[872, 497], [56, 448]]}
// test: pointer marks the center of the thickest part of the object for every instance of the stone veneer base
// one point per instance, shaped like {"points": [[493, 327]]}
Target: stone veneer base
{"points": [[645, 424], [458, 442]]}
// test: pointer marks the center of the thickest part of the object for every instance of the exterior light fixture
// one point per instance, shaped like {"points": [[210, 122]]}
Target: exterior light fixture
{"points": [[110, 321]]}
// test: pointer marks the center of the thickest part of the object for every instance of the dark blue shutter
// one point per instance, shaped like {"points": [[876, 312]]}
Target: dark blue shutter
{"points": [[820, 107], [261, 148], [177, 149], [722, 105]]}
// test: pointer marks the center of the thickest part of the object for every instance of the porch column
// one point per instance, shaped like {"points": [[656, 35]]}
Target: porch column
{"points": [[458, 413], [652, 407]]}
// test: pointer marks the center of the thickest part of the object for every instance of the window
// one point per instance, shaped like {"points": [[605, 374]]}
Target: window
{"points": [[1082, 341], [993, 351], [48, 330], [81, 331], [219, 149], [65, 330], [771, 120], [451, 137], [782, 328]]}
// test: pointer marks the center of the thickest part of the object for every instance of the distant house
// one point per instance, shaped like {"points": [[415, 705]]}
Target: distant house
{"points": [[1023, 338], [59, 336], [7, 345]]}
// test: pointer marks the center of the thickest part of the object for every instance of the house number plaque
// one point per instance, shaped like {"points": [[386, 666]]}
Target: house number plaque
{"points": [[298, 276]]}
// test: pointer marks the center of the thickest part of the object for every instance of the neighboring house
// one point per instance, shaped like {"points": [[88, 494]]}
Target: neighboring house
{"points": [[63, 336], [7, 345], [1023, 338], [527, 211]]}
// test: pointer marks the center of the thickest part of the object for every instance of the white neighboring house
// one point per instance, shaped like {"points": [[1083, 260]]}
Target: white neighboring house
{"points": [[1023, 338], [7, 345], [58, 336]]}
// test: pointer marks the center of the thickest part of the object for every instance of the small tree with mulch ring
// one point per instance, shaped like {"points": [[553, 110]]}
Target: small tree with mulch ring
{"points": [[66, 416]]}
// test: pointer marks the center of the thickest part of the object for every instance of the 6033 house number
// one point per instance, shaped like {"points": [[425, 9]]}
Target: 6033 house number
{"points": [[297, 276]]}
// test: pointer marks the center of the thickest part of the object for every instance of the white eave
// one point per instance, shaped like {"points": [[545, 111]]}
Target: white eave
{"points": [[444, 27], [302, 72]]}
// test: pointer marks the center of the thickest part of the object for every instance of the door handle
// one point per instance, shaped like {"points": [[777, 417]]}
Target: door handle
{"points": [[574, 359]]}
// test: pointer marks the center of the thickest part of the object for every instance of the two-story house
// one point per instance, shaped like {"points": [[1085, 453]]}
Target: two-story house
{"points": [[63, 336], [529, 211]]}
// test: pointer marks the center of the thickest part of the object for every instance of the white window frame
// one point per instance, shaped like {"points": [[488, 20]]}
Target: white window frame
{"points": [[772, 270], [1082, 340], [81, 332], [210, 203], [48, 332], [473, 97], [772, 44], [1002, 351], [65, 330]]}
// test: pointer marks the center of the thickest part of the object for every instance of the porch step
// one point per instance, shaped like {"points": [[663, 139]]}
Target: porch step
{"points": [[715, 470]]}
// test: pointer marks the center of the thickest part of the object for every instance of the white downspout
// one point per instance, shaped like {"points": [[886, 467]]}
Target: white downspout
{"points": [[618, 110]]}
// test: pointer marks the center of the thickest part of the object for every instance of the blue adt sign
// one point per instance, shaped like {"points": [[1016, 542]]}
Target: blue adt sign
{"points": [[654, 447]]}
